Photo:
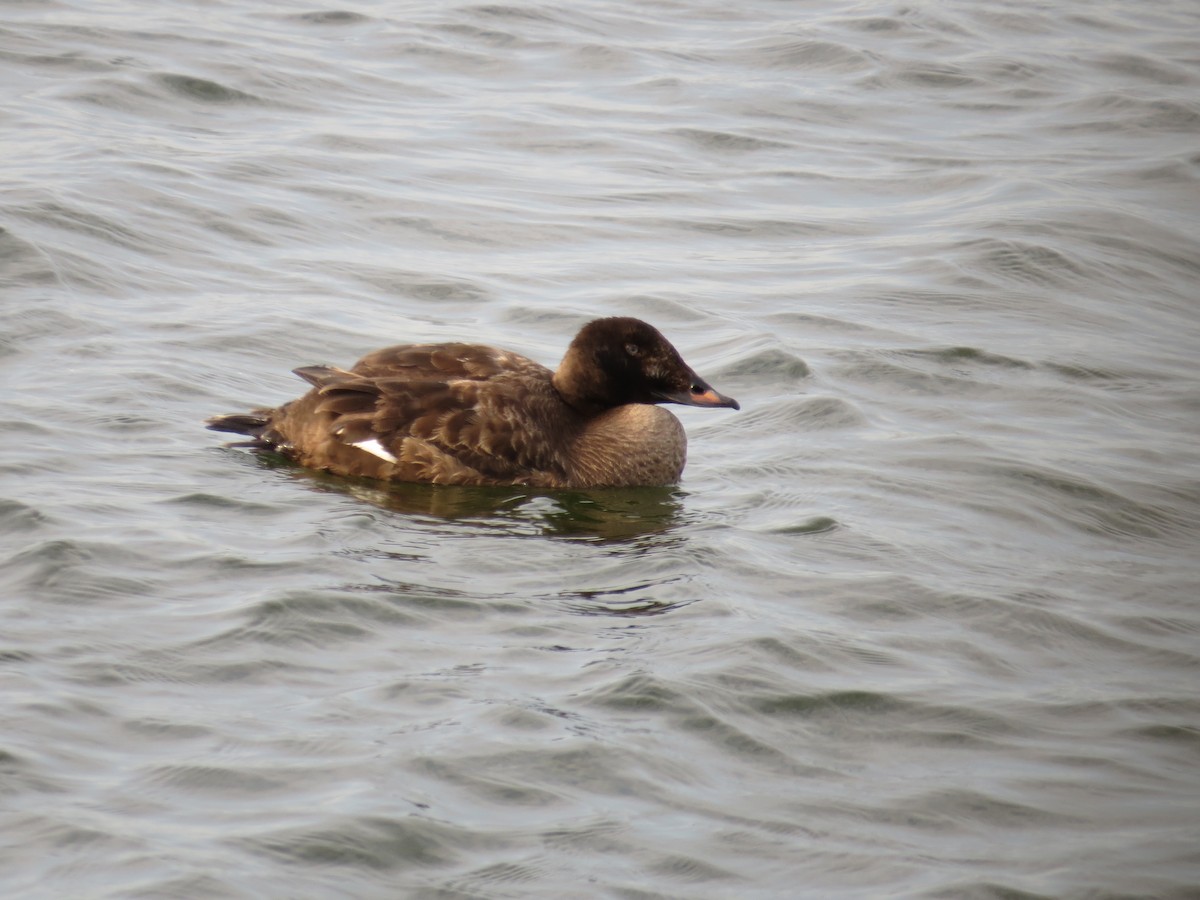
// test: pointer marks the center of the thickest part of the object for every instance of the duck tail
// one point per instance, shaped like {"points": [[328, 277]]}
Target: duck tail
{"points": [[252, 425]]}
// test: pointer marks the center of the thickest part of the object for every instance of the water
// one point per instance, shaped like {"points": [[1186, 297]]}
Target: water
{"points": [[920, 621]]}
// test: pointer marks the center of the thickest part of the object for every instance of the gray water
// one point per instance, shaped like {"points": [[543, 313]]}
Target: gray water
{"points": [[920, 621]]}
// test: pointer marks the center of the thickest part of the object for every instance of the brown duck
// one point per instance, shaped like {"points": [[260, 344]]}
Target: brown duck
{"points": [[476, 415]]}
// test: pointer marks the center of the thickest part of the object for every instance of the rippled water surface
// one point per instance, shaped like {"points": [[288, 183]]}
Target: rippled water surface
{"points": [[921, 619]]}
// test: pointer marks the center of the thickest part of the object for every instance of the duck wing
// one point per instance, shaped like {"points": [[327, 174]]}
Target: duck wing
{"points": [[446, 413]]}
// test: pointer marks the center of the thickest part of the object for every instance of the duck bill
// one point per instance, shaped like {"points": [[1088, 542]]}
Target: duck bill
{"points": [[700, 394]]}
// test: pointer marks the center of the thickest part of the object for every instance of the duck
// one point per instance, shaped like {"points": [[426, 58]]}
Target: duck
{"points": [[469, 414]]}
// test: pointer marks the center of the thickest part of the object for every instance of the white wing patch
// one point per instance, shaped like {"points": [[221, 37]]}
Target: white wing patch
{"points": [[375, 448]]}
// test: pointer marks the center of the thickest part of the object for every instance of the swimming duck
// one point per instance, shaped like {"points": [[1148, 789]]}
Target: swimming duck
{"points": [[475, 415]]}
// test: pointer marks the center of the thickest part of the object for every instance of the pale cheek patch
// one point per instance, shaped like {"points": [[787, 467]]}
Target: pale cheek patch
{"points": [[375, 448]]}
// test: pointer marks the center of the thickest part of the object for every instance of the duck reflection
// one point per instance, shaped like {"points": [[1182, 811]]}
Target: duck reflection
{"points": [[604, 514]]}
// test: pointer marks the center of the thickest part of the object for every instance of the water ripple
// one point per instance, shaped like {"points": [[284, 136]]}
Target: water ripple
{"points": [[919, 619]]}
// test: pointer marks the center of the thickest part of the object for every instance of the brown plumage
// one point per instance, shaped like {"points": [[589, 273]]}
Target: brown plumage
{"points": [[469, 414]]}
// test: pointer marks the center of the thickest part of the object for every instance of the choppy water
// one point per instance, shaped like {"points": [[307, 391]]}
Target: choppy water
{"points": [[922, 619]]}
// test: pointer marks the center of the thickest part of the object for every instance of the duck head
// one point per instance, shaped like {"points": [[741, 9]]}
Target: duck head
{"points": [[622, 360]]}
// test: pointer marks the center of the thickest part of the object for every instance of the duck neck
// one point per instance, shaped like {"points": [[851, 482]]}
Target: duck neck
{"points": [[578, 385]]}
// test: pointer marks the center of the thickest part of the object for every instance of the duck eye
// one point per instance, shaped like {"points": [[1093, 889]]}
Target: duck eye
{"points": [[633, 349], [697, 389]]}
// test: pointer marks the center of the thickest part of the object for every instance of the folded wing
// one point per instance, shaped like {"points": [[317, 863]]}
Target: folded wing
{"points": [[447, 413]]}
